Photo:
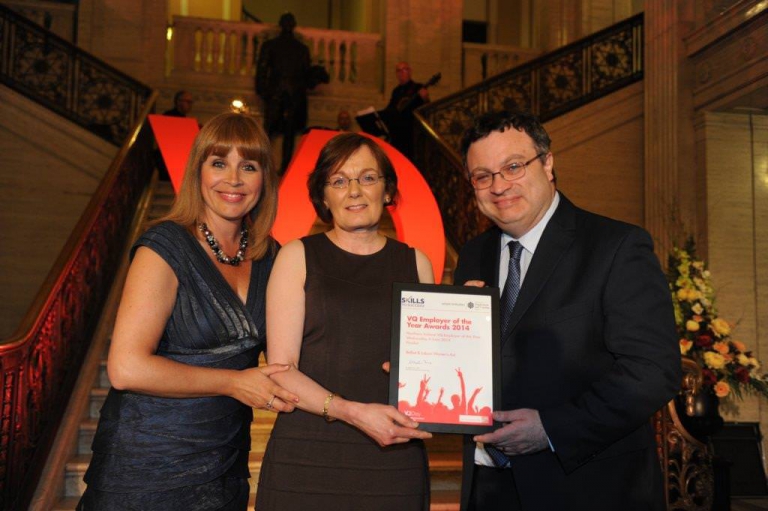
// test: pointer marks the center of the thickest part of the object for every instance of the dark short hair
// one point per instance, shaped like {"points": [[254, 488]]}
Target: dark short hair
{"points": [[333, 155], [287, 21], [501, 121], [178, 95]]}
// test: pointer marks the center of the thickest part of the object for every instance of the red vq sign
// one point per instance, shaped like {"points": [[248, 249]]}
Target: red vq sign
{"points": [[174, 136], [416, 217]]}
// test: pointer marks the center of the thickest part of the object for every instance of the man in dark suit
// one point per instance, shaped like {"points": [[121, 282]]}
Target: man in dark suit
{"points": [[589, 350]]}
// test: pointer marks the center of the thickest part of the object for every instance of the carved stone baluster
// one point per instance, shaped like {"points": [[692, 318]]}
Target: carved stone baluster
{"points": [[321, 54], [234, 52], [256, 41], [353, 56], [221, 51], [332, 60], [343, 71], [208, 50], [198, 60], [246, 53]]}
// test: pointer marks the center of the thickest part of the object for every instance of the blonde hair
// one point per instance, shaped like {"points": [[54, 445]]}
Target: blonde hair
{"points": [[219, 136]]}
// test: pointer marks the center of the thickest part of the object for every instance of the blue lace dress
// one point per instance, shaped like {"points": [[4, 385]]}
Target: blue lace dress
{"points": [[156, 453]]}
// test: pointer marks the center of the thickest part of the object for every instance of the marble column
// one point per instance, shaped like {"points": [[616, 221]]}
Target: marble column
{"points": [[670, 166]]}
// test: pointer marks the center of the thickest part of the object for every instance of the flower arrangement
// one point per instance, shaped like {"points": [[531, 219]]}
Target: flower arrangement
{"points": [[729, 367]]}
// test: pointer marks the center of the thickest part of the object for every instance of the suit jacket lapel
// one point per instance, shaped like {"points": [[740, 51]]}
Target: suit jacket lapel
{"points": [[558, 235], [495, 245]]}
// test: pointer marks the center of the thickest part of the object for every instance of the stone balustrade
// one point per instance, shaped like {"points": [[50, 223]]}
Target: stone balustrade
{"points": [[485, 60], [219, 57], [201, 48]]}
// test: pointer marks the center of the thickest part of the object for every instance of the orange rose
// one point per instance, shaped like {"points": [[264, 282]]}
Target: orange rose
{"points": [[722, 389], [740, 346], [685, 346], [721, 347]]}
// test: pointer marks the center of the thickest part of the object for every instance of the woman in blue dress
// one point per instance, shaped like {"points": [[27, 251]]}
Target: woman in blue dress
{"points": [[174, 431]]}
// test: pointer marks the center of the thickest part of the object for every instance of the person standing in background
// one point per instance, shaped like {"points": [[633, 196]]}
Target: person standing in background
{"points": [[406, 97], [182, 104], [344, 121], [281, 82]]}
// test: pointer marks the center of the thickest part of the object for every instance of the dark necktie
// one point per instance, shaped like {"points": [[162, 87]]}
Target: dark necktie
{"points": [[508, 299], [511, 286]]}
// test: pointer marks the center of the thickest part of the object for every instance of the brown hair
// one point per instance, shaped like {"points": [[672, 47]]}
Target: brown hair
{"points": [[219, 136], [333, 155]]}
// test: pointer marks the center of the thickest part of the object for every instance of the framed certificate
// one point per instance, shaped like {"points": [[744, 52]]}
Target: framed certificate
{"points": [[445, 367]]}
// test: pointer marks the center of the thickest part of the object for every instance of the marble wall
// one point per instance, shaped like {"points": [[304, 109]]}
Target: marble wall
{"points": [[598, 151], [50, 170], [735, 156], [127, 35]]}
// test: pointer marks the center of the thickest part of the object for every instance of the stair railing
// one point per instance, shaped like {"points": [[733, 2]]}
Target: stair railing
{"points": [[685, 461], [71, 82], [548, 86], [39, 364]]}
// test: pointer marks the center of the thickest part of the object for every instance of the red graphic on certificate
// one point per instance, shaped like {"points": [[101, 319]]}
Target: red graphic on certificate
{"points": [[444, 357], [457, 411]]}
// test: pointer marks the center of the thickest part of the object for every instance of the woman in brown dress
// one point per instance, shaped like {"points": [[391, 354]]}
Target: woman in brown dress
{"points": [[328, 316]]}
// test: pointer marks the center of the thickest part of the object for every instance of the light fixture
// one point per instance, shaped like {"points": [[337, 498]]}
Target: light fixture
{"points": [[238, 106]]}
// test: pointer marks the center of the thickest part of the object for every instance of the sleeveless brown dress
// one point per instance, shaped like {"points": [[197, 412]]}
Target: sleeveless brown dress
{"points": [[310, 464]]}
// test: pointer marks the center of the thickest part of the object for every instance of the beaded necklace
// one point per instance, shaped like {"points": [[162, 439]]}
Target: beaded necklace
{"points": [[220, 255]]}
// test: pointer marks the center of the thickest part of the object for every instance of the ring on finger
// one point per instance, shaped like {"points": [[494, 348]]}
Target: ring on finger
{"points": [[269, 403]]}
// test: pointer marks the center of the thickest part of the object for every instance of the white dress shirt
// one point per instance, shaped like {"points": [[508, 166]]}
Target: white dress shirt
{"points": [[529, 241]]}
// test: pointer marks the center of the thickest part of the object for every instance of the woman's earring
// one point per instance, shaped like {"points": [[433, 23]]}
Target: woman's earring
{"points": [[386, 199]]}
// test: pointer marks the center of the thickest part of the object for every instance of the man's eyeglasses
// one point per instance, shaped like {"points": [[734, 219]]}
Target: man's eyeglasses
{"points": [[481, 179], [367, 179]]}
